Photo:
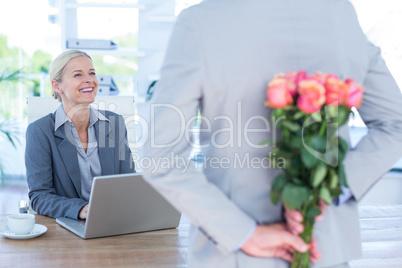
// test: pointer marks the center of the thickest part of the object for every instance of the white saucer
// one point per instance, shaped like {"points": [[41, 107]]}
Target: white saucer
{"points": [[38, 230]]}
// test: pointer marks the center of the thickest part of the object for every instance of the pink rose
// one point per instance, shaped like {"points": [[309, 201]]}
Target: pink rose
{"points": [[336, 91], [320, 77], [355, 94], [311, 96], [279, 93], [294, 78]]}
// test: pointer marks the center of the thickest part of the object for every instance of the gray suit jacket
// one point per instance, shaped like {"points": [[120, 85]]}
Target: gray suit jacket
{"points": [[52, 164], [221, 56]]}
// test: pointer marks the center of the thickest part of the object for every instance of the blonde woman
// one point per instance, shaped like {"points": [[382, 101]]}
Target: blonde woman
{"points": [[67, 149]]}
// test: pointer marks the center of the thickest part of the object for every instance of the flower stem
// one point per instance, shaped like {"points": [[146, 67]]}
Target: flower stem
{"points": [[323, 128], [302, 260]]}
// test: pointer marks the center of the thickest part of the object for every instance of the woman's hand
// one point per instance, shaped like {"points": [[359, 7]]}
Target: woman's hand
{"points": [[83, 212]]}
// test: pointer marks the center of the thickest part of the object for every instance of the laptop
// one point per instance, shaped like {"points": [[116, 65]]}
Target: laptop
{"points": [[122, 204]]}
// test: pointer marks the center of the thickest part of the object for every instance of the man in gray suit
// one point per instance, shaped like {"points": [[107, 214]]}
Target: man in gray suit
{"points": [[220, 58]]}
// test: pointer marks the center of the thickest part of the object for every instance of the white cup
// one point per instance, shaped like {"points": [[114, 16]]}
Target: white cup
{"points": [[21, 224]]}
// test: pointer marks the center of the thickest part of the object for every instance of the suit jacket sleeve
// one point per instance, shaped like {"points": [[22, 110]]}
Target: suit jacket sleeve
{"points": [[39, 170], [177, 96], [381, 111]]}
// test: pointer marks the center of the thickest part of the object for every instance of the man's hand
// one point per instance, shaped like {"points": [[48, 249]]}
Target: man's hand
{"points": [[83, 212], [294, 221], [294, 218], [273, 241]]}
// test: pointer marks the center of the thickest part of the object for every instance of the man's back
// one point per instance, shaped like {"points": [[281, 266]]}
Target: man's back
{"points": [[221, 56]]}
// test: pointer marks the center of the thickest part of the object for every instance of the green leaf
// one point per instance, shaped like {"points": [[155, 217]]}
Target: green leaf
{"points": [[293, 196], [325, 195], [343, 115], [331, 156], [298, 115], [295, 166], [266, 142], [296, 142], [342, 175], [312, 212], [341, 156], [8, 128], [343, 145], [297, 181], [316, 116], [331, 111], [5, 76], [277, 187], [308, 159], [279, 182], [278, 112], [274, 197], [336, 192], [294, 127], [333, 182], [281, 153], [318, 175], [319, 143], [288, 108]]}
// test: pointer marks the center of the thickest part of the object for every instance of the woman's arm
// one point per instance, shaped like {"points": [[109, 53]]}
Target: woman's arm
{"points": [[43, 194]]}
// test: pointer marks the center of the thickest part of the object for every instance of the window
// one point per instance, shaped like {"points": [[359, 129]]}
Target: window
{"points": [[382, 21]]}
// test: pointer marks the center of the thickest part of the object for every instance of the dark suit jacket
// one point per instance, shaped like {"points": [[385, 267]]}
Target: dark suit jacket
{"points": [[52, 164]]}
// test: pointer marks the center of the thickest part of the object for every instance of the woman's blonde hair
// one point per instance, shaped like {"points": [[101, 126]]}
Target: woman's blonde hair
{"points": [[58, 65]]}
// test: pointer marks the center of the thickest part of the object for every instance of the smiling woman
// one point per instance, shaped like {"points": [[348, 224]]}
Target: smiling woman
{"points": [[75, 85], [67, 149], [69, 69]]}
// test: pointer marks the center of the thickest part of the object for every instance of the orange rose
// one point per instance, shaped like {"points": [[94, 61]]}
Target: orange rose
{"points": [[311, 96], [294, 78], [355, 94], [278, 93], [320, 77], [336, 91]]}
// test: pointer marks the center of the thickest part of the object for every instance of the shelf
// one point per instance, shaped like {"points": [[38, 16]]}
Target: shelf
{"points": [[77, 5], [155, 17], [140, 100], [154, 77], [162, 18], [122, 51]]}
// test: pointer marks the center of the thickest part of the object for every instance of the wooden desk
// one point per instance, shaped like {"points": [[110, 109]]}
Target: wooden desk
{"points": [[58, 247]]}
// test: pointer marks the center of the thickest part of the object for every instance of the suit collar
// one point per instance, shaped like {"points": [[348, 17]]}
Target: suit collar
{"points": [[61, 117]]}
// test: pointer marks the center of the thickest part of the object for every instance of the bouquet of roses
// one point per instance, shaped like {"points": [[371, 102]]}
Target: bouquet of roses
{"points": [[308, 111]]}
